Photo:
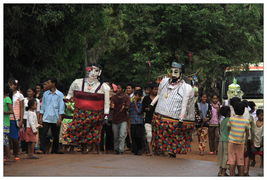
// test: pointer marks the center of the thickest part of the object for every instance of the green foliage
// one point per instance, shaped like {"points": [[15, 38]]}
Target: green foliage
{"points": [[58, 40]]}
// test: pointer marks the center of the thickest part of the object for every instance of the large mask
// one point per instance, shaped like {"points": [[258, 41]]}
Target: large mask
{"points": [[176, 70], [234, 90], [93, 72]]}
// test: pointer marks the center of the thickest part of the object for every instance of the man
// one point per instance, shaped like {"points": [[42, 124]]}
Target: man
{"points": [[92, 103], [172, 123], [120, 105], [51, 113]]}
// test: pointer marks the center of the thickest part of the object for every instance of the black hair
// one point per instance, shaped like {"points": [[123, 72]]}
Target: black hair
{"points": [[202, 94], [214, 95], [132, 86], [96, 65], [234, 100], [30, 104], [225, 111], [245, 102], [13, 81], [259, 111], [239, 108], [39, 84], [7, 90], [154, 85], [53, 80], [139, 93], [33, 89], [252, 105]]}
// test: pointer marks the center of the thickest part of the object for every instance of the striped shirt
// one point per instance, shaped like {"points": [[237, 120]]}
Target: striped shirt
{"points": [[238, 127]]}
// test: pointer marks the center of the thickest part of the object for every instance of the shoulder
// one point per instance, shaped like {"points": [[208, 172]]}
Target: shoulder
{"points": [[164, 80], [59, 93], [105, 87], [8, 100]]}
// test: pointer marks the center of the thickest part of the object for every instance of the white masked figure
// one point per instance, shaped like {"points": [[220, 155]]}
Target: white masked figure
{"points": [[173, 121], [91, 98]]}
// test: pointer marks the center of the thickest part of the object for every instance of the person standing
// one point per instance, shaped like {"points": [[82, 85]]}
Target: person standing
{"points": [[8, 109], [51, 113], [223, 141], [119, 104], [38, 91], [137, 123], [202, 117], [214, 125], [16, 119], [32, 128], [239, 131], [149, 111]]}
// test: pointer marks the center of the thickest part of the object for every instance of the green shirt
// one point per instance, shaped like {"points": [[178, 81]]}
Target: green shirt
{"points": [[224, 132], [7, 101]]}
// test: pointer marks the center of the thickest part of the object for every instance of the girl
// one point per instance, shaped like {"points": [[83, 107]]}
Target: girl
{"points": [[7, 111], [32, 128], [214, 125], [16, 118], [30, 95], [202, 116]]}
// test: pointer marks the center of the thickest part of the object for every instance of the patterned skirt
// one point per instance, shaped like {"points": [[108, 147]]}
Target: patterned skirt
{"points": [[171, 136], [85, 128]]}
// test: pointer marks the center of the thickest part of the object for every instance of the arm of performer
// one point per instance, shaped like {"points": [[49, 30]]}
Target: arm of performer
{"points": [[188, 93], [106, 90]]}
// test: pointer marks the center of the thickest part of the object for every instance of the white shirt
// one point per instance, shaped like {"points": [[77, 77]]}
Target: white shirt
{"points": [[258, 135], [32, 121], [77, 86], [173, 99], [16, 98], [26, 105]]}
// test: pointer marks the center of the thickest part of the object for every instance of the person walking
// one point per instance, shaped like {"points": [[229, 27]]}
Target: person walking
{"points": [[202, 117], [119, 104]]}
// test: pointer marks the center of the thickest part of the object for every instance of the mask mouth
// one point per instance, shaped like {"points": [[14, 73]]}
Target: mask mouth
{"points": [[174, 79]]}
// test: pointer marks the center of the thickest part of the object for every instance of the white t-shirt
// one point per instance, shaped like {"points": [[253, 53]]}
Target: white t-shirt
{"points": [[258, 135], [32, 121], [26, 105]]}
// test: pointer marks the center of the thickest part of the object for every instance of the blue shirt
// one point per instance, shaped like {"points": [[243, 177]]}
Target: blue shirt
{"points": [[135, 116], [52, 106]]}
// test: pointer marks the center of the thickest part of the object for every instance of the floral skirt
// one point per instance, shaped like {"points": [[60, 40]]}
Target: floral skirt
{"points": [[85, 128], [171, 136]]}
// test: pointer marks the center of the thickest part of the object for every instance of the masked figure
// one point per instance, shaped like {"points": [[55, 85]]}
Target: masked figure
{"points": [[234, 90], [173, 121], [91, 109]]}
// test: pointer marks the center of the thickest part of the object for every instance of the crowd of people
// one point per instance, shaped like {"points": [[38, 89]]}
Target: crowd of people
{"points": [[47, 121]]}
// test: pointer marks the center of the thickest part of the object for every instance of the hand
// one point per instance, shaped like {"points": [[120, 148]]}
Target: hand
{"points": [[35, 133], [59, 122], [122, 108], [20, 123]]}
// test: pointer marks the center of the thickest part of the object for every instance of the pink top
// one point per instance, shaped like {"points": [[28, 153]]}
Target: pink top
{"points": [[214, 114]]}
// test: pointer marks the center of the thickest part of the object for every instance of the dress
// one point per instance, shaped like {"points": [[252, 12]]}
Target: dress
{"points": [[87, 122]]}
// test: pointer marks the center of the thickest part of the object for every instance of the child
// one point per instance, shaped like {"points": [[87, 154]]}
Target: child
{"points": [[137, 123], [214, 125], [223, 141], [202, 116], [17, 117], [32, 128], [7, 111], [239, 127], [258, 138]]}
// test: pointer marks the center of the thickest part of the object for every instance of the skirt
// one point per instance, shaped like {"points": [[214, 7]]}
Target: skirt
{"points": [[63, 129], [171, 136], [14, 130], [85, 128], [29, 136]]}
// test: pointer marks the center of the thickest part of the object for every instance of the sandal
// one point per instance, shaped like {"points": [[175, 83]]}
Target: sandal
{"points": [[16, 158]]}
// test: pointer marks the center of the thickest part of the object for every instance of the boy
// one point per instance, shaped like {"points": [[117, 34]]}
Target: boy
{"points": [[239, 127], [137, 123]]}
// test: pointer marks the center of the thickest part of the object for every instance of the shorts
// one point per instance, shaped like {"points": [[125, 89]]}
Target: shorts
{"points": [[30, 136], [236, 154], [223, 154], [148, 128]]}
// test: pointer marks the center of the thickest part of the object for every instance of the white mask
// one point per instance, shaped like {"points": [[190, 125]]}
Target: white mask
{"points": [[176, 72], [94, 73]]}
